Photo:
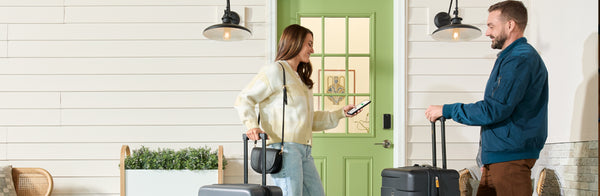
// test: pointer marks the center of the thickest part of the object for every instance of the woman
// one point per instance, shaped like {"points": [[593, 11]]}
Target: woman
{"points": [[298, 175]]}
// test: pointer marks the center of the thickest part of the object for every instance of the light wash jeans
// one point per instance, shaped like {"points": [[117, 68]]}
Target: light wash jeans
{"points": [[298, 176]]}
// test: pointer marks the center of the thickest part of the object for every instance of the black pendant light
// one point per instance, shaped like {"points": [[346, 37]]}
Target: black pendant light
{"points": [[229, 30], [451, 29]]}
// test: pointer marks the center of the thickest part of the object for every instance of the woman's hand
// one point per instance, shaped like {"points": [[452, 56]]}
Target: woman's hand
{"points": [[253, 133], [348, 108]]}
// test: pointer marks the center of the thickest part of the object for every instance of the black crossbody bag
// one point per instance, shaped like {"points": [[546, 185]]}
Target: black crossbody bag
{"points": [[274, 156]]}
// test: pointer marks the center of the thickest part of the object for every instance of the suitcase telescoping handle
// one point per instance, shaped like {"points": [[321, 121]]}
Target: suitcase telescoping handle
{"points": [[433, 142], [262, 136]]}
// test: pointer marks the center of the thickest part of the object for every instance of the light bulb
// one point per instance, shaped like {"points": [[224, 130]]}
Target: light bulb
{"points": [[455, 34], [227, 34]]}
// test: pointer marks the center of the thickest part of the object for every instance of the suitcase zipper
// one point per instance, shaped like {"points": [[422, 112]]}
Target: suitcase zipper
{"points": [[437, 186]]}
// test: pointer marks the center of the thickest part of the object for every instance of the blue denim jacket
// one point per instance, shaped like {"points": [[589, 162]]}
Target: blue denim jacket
{"points": [[513, 114]]}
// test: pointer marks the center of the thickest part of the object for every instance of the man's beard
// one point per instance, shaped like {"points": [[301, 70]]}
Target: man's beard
{"points": [[498, 41]]}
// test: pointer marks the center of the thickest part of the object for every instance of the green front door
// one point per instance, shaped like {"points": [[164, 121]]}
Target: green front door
{"points": [[352, 62]]}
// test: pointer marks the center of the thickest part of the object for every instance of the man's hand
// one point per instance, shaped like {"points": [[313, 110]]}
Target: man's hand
{"points": [[434, 112]]}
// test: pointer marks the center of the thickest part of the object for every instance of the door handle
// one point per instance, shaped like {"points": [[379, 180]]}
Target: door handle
{"points": [[386, 144]]}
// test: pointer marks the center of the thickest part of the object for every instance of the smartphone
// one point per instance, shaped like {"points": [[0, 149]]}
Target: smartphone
{"points": [[358, 107]]}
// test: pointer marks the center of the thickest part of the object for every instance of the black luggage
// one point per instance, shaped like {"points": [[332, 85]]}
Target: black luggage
{"points": [[244, 189], [422, 180]]}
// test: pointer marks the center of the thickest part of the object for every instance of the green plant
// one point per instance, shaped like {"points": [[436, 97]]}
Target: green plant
{"points": [[188, 158]]}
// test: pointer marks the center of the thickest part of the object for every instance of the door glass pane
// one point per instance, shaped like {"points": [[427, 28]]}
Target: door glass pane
{"points": [[335, 81], [358, 35], [316, 74], [335, 35], [359, 66], [330, 106], [360, 122], [341, 66], [314, 24], [317, 103]]}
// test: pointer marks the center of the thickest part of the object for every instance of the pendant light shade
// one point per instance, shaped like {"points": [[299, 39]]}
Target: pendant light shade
{"points": [[229, 30], [451, 29]]}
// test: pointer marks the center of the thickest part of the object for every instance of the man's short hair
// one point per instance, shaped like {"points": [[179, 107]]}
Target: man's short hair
{"points": [[512, 10]]}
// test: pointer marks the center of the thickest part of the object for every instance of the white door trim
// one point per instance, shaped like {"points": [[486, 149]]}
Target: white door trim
{"points": [[399, 122]]}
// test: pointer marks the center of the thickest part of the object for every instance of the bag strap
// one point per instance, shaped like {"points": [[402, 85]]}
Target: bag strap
{"points": [[283, 113], [284, 103]]}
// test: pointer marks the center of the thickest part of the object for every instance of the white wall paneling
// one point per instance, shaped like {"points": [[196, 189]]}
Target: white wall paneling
{"points": [[423, 100], [3, 38], [3, 49], [31, 14], [86, 185], [118, 31], [80, 78], [140, 14], [470, 15], [463, 151], [192, 48], [3, 133], [252, 13], [210, 82], [159, 2], [2, 151], [94, 151], [126, 134], [36, 3], [454, 134], [463, 3], [159, 14], [30, 100], [440, 73], [72, 168], [29, 117], [191, 100], [131, 66], [259, 31], [3, 31], [149, 117], [109, 31], [427, 66], [456, 83], [417, 117], [446, 50]]}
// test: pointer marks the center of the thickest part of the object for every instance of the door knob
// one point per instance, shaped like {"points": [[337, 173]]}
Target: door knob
{"points": [[386, 144]]}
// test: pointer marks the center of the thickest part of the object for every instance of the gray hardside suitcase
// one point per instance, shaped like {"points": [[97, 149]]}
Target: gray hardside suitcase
{"points": [[422, 180], [244, 189]]}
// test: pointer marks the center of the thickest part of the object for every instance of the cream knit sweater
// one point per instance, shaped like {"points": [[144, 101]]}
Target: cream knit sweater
{"points": [[266, 90]]}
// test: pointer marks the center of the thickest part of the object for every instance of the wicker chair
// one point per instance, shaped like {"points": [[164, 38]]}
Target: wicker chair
{"points": [[463, 182], [32, 181]]}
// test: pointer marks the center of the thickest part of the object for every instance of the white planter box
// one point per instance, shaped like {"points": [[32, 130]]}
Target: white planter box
{"points": [[168, 182]]}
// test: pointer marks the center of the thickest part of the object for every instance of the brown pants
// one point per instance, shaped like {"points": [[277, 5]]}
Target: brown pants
{"points": [[511, 178]]}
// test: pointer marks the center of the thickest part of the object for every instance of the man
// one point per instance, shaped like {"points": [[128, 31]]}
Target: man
{"points": [[513, 114]]}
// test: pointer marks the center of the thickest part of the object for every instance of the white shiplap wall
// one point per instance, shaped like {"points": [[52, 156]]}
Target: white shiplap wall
{"points": [[80, 78], [442, 72]]}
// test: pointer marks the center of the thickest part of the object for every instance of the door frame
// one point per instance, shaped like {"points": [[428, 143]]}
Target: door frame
{"points": [[400, 78], [400, 60]]}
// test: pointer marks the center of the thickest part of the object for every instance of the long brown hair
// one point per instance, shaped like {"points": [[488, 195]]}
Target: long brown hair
{"points": [[290, 44]]}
